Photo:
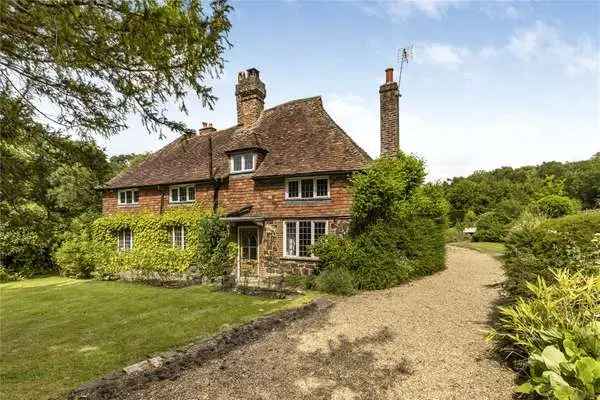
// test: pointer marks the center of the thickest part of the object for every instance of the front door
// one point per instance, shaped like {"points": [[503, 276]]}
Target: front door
{"points": [[248, 252]]}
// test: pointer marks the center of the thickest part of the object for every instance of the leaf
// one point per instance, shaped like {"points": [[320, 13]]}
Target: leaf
{"points": [[588, 370], [525, 388], [561, 389], [553, 357]]}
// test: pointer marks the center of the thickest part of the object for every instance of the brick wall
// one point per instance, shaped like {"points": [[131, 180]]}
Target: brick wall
{"points": [[389, 114]]}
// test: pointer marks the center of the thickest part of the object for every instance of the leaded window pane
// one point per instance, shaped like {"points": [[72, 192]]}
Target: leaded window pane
{"points": [[237, 163], [322, 188], [136, 196], [307, 188], [305, 234], [191, 193], [129, 197], [174, 194], [292, 189], [290, 238], [248, 162], [122, 197], [319, 230], [182, 194]]}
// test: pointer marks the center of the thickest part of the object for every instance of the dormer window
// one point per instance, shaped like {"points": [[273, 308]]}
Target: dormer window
{"points": [[243, 162], [182, 194], [307, 188]]}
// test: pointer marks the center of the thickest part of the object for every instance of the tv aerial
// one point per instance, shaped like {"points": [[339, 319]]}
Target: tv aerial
{"points": [[404, 55]]}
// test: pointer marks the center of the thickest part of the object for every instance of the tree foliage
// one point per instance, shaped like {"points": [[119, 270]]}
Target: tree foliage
{"points": [[91, 63]]}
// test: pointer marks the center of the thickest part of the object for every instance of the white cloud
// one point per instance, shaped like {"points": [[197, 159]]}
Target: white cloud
{"points": [[441, 54], [543, 42], [404, 8]]}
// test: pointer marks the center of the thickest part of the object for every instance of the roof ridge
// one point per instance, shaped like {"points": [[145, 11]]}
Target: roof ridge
{"points": [[287, 103]]}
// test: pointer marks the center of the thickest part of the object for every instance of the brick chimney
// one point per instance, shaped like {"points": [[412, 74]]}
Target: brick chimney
{"points": [[389, 114], [250, 93], [206, 128]]}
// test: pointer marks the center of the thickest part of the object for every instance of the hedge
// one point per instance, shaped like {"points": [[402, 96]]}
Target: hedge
{"points": [[534, 249]]}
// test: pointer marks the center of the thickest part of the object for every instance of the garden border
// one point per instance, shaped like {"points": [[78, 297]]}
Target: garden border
{"points": [[170, 364]]}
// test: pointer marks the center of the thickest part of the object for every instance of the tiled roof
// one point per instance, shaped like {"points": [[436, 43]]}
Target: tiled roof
{"points": [[299, 137]]}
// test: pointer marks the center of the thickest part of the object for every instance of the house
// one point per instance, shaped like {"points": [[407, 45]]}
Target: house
{"points": [[280, 175]]}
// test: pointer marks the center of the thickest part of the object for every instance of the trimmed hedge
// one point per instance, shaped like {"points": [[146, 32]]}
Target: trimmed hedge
{"points": [[555, 206], [562, 243]]}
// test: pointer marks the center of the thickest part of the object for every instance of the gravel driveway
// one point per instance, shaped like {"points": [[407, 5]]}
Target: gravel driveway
{"points": [[423, 340]]}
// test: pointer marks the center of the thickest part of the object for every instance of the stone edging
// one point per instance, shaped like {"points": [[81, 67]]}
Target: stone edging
{"points": [[170, 364]]}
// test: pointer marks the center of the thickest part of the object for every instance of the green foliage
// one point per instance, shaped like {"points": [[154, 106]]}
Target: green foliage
{"points": [[454, 234], [306, 282], [554, 206], [216, 253], [7, 276], [397, 227], [534, 246], [470, 218], [97, 62], [121, 162], [335, 281], [568, 373], [483, 191], [385, 182], [490, 228], [47, 179], [152, 249]]}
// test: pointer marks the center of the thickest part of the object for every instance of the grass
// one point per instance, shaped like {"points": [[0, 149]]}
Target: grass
{"points": [[57, 333], [493, 249]]}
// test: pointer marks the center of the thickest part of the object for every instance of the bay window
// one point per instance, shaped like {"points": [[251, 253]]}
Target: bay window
{"points": [[307, 188], [298, 236]]}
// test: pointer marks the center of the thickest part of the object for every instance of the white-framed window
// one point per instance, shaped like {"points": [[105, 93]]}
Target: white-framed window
{"points": [[178, 236], [298, 236], [248, 242], [125, 240], [316, 187], [128, 196], [243, 162], [182, 194]]}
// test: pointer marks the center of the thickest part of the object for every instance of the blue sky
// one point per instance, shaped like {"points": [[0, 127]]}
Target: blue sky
{"points": [[491, 83]]}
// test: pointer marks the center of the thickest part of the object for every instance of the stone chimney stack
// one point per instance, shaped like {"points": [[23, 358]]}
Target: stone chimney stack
{"points": [[389, 114], [206, 128], [250, 93]]}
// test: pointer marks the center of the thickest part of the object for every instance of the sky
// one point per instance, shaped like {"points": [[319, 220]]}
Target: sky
{"points": [[491, 83]]}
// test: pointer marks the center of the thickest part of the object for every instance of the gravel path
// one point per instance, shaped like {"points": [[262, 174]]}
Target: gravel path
{"points": [[422, 340]]}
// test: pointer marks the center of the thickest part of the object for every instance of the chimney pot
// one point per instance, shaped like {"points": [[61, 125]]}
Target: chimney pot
{"points": [[389, 75]]}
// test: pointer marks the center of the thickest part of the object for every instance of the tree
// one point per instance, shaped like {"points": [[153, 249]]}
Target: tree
{"points": [[95, 61], [122, 161]]}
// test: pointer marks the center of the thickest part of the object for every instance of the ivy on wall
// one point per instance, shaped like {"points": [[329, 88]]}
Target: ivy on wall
{"points": [[152, 249]]}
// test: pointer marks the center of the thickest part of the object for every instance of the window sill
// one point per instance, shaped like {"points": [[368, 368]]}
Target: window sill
{"points": [[294, 200], [241, 172], [292, 258], [175, 203], [129, 205]]}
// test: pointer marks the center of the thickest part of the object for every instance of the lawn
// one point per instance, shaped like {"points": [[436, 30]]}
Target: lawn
{"points": [[57, 333], [493, 249]]}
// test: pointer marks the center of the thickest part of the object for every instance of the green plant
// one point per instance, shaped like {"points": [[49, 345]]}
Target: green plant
{"points": [[555, 206], [216, 253], [336, 281], [7, 276], [548, 315], [306, 282], [570, 371], [454, 234], [536, 245], [490, 228]]}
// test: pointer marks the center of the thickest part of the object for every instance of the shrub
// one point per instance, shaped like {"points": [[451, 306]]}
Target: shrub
{"points": [[216, 254], [300, 281], [555, 206], [454, 234], [406, 238], [336, 281], [569, 371], [535, 246], [8, 276], [76, 257], [490, 228]]}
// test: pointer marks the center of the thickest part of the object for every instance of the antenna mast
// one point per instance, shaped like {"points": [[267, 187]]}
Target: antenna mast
{"points": [[404, 54]]}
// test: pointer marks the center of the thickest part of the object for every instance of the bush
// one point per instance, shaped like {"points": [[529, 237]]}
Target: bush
{"points": [[554, 206], [306, 282], [490, 228], [454, 234], [396, 235], [557, 328], [8, 276], [336, 281], [216, 254], [77, 257], [535, 246]]}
